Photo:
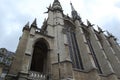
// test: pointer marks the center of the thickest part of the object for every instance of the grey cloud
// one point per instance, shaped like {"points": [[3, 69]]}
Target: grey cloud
{"points": [[13, 18], [11, 41], [11, 21]]}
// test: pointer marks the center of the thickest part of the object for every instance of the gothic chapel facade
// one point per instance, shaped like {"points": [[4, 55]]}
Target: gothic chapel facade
{"points": [[64, 48]]}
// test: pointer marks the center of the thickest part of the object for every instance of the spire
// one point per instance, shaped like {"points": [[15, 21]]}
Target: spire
{"points": [[26, 27], [99, 29], [74, 13], [50, 6], [56, 5], [34, 24], [72, 7], [109, 34], [89, 24]]}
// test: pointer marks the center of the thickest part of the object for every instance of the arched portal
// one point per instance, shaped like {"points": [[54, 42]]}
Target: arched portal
{"points": [[39, 57]]}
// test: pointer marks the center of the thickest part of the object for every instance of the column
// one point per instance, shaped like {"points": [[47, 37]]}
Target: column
{"points": [[83, 47], [99, 52]]}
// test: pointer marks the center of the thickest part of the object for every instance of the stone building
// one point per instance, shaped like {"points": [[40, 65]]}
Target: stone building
{"points": [[6, 58], [64, 48]]}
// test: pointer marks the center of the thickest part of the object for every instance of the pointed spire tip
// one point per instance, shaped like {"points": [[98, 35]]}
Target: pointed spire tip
{"points": [[27, 23], [34, 22], [72, 6]]}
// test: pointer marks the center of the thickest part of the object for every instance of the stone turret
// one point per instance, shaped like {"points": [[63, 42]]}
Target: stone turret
{"points": [[33, 27], [75, 14]]}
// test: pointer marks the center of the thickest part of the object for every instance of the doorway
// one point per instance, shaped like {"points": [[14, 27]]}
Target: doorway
{"points": [[39, 57]]}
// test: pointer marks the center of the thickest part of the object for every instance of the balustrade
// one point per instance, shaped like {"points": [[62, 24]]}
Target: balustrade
{"points": [[36, 75]]}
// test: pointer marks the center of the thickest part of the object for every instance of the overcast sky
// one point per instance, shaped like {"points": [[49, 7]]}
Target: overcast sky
{"points": [[14, 14]]}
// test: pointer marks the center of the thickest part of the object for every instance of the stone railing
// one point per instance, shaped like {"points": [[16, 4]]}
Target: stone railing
{"points": [[36, 76]]}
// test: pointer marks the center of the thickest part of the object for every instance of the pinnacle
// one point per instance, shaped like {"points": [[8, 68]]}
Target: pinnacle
{"points": [[34, 23], [99, 29], [50, 6], [27, 25], [72, 7], [74, 13]]}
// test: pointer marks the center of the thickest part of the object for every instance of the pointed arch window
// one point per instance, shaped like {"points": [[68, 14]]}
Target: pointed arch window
{"points": [[73, 47], [92, 51], [39, 57]]}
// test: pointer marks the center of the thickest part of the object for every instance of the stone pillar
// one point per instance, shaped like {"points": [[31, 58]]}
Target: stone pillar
{"points": [[20, 52], [83, 47], [28, 54], [110, 54], [99, 52]]}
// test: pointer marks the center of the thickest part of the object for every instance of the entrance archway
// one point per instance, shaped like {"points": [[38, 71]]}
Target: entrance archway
{"points": [[39, 57]]}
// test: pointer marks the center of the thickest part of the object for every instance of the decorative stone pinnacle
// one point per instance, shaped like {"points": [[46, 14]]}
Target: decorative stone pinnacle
{"points": [[34, 24], [27, 25], [99, 29], [73, 9], [89, 24]]}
